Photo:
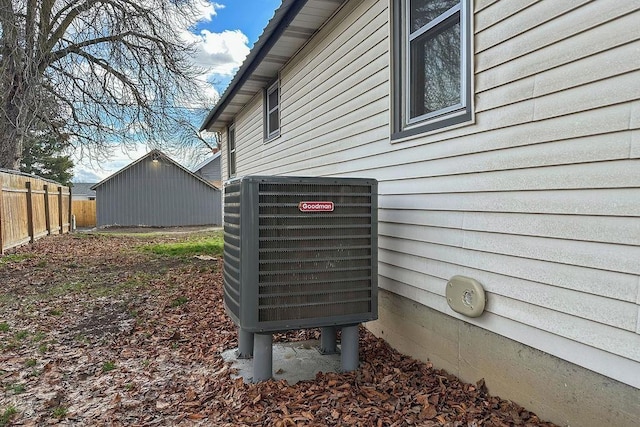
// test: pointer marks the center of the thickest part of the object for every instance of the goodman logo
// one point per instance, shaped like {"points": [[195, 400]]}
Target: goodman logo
{"points": [[315, 206]]}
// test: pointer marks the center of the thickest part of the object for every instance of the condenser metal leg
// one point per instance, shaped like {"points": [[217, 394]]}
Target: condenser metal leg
{"points": [[328, 340], [245, 344], [262, 357], [349, 353]]}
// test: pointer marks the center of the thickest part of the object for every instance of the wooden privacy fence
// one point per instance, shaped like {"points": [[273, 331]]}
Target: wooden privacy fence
{"points": [[85, 212], [30, 208]]}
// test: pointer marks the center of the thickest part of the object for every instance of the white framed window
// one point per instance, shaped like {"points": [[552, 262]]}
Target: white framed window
{"points": [[431, 65], [272, 111], [231, 150]]}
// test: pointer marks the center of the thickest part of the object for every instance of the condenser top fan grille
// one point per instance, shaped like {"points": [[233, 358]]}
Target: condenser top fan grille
{"points": [[313, 255]]}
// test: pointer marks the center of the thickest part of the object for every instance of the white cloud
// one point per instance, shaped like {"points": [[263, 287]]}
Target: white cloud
{"points": [[221, 53], [83, 175], [207, 10]]}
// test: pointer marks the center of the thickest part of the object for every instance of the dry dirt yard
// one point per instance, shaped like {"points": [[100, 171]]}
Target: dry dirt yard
{"points": [[97, 330]]}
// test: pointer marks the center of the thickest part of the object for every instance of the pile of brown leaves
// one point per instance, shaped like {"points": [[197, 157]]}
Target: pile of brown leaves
{"points": [[94, 331]]}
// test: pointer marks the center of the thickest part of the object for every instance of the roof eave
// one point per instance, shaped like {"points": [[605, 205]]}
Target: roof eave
{"points": [[272, 35], [274, 29]]}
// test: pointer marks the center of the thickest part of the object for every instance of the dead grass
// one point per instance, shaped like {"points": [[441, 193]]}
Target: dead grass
{"points": [[96, 331]]}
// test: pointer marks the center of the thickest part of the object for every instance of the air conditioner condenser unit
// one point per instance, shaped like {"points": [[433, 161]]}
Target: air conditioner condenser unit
{"points": [[300, 252]]}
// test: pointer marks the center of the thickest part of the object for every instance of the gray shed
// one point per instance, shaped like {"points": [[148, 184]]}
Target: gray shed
{"points": [[156, 191]]}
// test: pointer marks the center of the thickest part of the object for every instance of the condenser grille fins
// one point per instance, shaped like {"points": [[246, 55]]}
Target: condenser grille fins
{"points": [[232, 247], [300, 252], [312, 310], [313, 252]]}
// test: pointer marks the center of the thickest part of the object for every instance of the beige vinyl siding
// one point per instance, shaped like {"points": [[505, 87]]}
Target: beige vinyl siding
{"points": [[250, 132], [539, 199], [314, 120], [544, 25], [224, 159]]}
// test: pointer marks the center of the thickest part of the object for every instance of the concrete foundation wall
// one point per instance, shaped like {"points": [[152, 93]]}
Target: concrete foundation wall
{"points": [[554, 389]]}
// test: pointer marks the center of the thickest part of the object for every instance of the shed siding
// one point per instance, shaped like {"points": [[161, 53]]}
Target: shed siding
{"points": [[158, 195], [539, 199]]}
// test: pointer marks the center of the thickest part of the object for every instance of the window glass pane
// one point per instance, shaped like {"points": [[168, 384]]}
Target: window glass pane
{"points": [[232, 139], [274, 123], [424, 11], [273, 99], [232, 163], [231, 146], [435, 71]]}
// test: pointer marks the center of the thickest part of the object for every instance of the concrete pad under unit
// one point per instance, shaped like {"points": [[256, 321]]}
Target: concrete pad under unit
{"points": [[292, 361]]}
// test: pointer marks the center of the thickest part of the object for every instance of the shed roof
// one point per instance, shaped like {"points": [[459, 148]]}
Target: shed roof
{"points": [[206, 162], [292, 25], [83, 188], [161, 155]]}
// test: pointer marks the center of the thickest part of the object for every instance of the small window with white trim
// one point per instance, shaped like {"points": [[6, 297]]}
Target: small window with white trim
{"points": [[431, 65], [231, 150], [272, 111]]}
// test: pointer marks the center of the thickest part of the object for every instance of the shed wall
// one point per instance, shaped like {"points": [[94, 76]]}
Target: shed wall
{"points": [[539, 199], [157, 194]]}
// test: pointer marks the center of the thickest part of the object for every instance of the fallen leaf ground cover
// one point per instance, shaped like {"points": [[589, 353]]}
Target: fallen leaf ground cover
{"points": [[116, 329]]}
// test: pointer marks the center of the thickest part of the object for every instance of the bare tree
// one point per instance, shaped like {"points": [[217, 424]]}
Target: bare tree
{"points": [[118, 72]]}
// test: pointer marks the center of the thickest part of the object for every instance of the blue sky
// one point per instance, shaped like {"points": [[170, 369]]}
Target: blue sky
{"points": [[224, 35], [248, 16], [233, 22]]}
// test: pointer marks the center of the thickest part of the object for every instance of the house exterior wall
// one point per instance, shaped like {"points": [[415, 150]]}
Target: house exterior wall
{"points": [[157, 194], [82, 191], [539, 199]]}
